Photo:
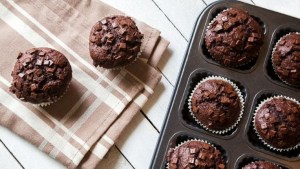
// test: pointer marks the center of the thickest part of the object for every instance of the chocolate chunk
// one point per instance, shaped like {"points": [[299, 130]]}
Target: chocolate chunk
{"points": [[123, 45], [46, 62], [20, 55], [39, 62], [21, 75], [104, 21]]}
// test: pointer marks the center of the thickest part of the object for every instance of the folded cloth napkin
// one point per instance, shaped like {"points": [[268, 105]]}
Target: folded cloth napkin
{"points": [[79, 129]]}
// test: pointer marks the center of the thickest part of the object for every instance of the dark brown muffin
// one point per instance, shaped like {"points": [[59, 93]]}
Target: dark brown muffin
{"points": [[40, 75], [234, 38], [195, 154], [261, 165], [286, 59], [216, 104], [115, 41], [277, 122]]}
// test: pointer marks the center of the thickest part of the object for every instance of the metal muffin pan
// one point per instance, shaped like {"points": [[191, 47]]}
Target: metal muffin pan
{"points": [[257, 81]]}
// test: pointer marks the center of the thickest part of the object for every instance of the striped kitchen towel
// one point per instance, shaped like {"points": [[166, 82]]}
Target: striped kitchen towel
{"points": [[80, 128]]}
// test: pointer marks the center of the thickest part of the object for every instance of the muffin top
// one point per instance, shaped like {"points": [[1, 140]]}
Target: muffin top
{"points": [[234, 38], [261, 165], [216, 104], [195, 154], [286, 59], [277, 121], [40, 75], [115, 41]]}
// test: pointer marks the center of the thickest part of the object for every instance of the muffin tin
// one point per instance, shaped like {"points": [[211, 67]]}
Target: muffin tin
{"points": [[256, 80]]}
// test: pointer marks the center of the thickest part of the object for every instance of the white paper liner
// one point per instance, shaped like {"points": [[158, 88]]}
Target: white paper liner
{"points": [[55, 100], [273, 50], [263, 161], [138, 54], [260, 138], [237, 90], [199, 140], [210, 23]]}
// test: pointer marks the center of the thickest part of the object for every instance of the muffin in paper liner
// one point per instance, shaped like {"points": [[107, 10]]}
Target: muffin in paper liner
{"points": [[256, 37], [118, 46], [274, 66], [239, 96], [268, 116], [41, 76], [218, 160], [55, 99], [270, 164]]}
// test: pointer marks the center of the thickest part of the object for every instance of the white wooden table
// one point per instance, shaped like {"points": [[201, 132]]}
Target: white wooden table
{"points": [[135, 147]]}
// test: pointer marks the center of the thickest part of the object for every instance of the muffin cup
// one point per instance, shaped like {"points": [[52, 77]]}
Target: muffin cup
{"points": [[260, 138], [273, 50], [238, 93], [210, 23], [204, 141], [44, 104]]}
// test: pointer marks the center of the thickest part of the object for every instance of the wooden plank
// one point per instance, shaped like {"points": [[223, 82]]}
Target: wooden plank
{"points": [[211, 1], [183, 14], [7, 161], [157, 105], [290, 7], [148, 12], [138, 141], [114, 160], [25, 152]]}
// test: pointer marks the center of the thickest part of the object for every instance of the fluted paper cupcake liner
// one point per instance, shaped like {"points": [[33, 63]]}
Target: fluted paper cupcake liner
{"points": [[242, 102], [273, 50], [44, 104], [210, 23], [260, 138]]}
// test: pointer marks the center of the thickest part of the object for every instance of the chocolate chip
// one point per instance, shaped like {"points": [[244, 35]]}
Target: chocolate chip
{"points": [[33, 87], [191, 160], [114, 25], [39, 62], [104, 21], [122, 31], [20, 55], [192, 150], [122, 45], [28, 72], [46, 62], [21, 75], [251, 39], [263, 126]]}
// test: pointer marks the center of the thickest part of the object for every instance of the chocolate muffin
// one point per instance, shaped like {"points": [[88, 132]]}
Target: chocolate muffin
{"points": [[286, 59], [261, 165], [40, 75], [234, 38], [216, 104], [277, 123], [195, 154], [115, 42]]}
